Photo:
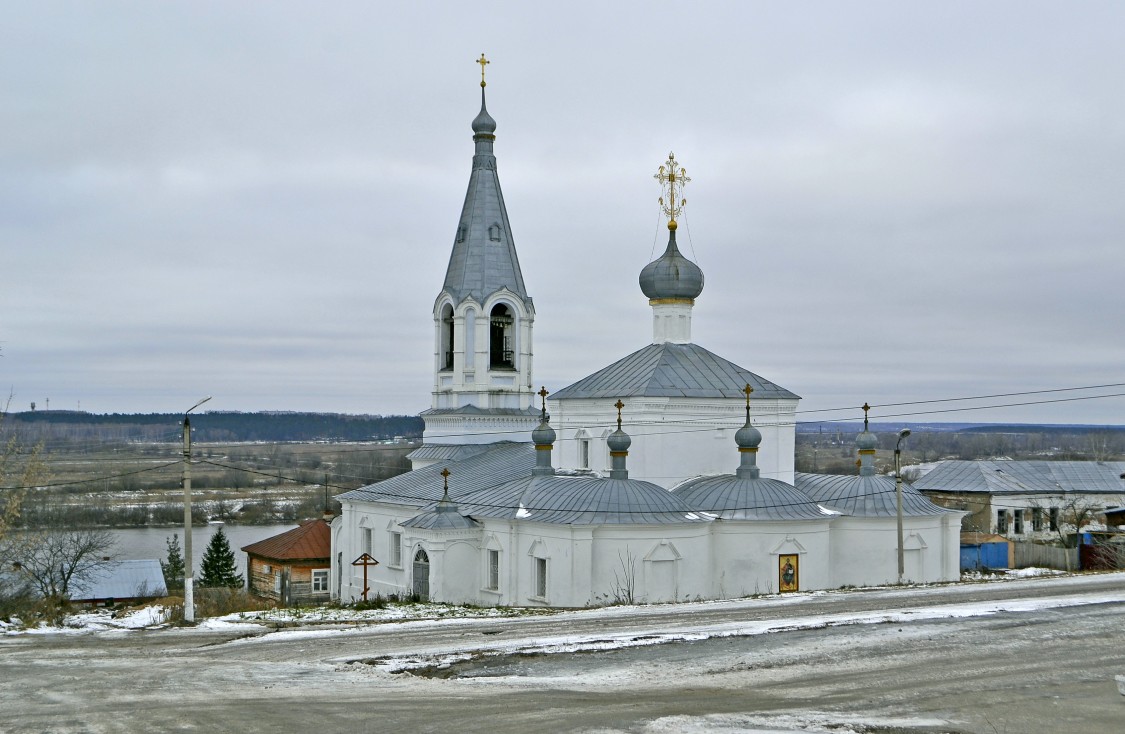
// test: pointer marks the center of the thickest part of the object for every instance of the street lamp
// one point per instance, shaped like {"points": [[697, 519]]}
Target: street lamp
{"points": [[898, 498], [189, 596]]}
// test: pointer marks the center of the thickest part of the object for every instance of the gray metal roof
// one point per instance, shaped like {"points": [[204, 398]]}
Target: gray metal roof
{"points": [[673, 370], [580, 500], [120, 580], [1023, 477], [484, 252], [474, 411], [499, 462], [865, 496], [736, 498], [442, 516], [452, 451]]}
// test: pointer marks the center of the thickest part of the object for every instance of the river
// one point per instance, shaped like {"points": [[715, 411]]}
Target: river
{"points": [[139, 543]]}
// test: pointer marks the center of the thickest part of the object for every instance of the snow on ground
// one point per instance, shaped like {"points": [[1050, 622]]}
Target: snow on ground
{"points": [[782, 724]]}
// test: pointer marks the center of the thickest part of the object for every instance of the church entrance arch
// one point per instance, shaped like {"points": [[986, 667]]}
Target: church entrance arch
{"points": [[421, 575]]}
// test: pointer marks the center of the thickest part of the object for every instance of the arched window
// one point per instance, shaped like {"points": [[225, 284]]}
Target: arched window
{"points": [[501, 332], [447, 337], [421, 575]]}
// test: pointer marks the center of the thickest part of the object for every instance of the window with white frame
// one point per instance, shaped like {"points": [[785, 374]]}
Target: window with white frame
{"points": [[1001, 521], [1053, 514], [1037, 518], [320, 580], [540, 574], [584, 453], [396, 549], [366, 541], [1018, 514], [493, 570]]}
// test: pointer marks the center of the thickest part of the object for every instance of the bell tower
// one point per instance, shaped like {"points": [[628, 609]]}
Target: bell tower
{"points": [[483, 317]]}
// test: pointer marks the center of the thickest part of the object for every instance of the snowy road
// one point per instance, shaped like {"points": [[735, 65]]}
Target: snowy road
{"points": [[1024, 656]]}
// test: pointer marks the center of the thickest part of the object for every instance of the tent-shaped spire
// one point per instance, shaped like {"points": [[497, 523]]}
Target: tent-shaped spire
{"points": [[484, 253]]}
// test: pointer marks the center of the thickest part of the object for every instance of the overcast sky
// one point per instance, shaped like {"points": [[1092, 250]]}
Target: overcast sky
{"points": [[256, 201]]}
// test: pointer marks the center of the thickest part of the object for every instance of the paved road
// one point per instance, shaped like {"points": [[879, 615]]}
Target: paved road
{"points": [[1045, 665]]}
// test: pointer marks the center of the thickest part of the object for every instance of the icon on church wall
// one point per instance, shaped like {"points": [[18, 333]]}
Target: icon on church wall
{"points": [[788, 576]]}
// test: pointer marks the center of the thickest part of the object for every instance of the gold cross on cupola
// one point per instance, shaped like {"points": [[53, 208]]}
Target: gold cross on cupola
{"points": [[866, 408], [543, 397], [482, 61], [672, 178], [747, 390], [619, 405], [445, 478]]}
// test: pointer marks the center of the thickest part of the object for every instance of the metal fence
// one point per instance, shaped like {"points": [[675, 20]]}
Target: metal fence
{"points": [[1045, 556]]}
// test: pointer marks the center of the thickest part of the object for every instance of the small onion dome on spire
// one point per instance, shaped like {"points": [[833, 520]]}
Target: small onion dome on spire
{"points": [[866, 441], [544, 439], [672, 275], [483, 122], [543, 435], [618, 441], [748, 437]]}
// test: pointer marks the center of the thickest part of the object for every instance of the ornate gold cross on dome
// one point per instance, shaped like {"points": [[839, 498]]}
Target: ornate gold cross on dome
{"points": [[445, 477], [672, 178], [619, 405], [747, 390], [543, 397], [482, 61], [866, 408]]}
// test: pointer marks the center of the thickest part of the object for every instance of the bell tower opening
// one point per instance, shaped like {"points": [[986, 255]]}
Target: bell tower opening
{"points": [[447, 337], [501, 332]]}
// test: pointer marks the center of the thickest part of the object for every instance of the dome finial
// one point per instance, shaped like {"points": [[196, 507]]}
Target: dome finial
{"points": [[747, 390], [619, 405], [672, 178], [543, 397], [482, 61], [445, 487], [866, 408]]}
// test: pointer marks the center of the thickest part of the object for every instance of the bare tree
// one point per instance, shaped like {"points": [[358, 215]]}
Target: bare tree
{"points": [[50, 561], [625, 582]]}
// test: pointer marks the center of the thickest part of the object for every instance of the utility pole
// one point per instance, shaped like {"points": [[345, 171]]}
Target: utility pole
{"points": [[189, 595], [898, 499]]}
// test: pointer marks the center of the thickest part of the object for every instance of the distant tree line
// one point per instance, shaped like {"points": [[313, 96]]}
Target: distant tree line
{"points": [[69, 425]]}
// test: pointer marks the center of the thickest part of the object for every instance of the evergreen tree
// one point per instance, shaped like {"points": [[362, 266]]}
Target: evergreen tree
{"points": [[173, 566], [218, 567]]}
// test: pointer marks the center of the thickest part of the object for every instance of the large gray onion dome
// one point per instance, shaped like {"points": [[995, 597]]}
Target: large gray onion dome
{"points": [[671, 275]]}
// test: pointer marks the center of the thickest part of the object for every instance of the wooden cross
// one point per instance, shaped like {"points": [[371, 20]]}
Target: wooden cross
{"points": [[482, 61], [619, 405], [365, 560]]}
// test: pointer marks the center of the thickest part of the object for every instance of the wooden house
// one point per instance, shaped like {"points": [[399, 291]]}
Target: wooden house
{"points": [[291, 568]]}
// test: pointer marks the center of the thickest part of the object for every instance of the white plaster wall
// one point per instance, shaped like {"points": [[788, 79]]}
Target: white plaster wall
{"points": [[676, 439], [619, 547], [384, 579], [746, 556]]}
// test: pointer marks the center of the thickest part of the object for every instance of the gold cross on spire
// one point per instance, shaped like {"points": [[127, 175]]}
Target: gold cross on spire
{"points": [[866, 408], [672, 178], [543, 397], [482, 61], [747, 390], [445, 477], [619, 405]]}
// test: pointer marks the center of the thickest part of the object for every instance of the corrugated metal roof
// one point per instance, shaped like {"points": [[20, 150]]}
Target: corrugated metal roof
{"points": [[865, 496], [1023, 477], [736, 498], [500, 462], [484, 252], [119, 580], [673, 370], [472, 410], [580, 500], [312, 540]]}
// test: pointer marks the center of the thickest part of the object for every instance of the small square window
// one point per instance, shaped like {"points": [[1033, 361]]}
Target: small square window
{"points": [[320, 580]]}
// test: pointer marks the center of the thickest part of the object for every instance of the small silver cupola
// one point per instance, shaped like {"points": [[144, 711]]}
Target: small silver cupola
{"points": [[618, 443], [544, 439], [866, 442], [748, 439]]}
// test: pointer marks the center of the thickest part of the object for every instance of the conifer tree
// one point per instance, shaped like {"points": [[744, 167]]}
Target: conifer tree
{"points": [[218, 567], [173, 565]]}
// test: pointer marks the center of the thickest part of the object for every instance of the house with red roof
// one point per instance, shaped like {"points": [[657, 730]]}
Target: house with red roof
{"points": [[291, 568]]}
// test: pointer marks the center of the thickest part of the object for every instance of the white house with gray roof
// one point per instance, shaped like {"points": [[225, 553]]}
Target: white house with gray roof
{"points": [[694, 501]]}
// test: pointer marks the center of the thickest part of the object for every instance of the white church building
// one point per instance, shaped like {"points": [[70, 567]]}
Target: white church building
{"points": [[667, 475]]}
